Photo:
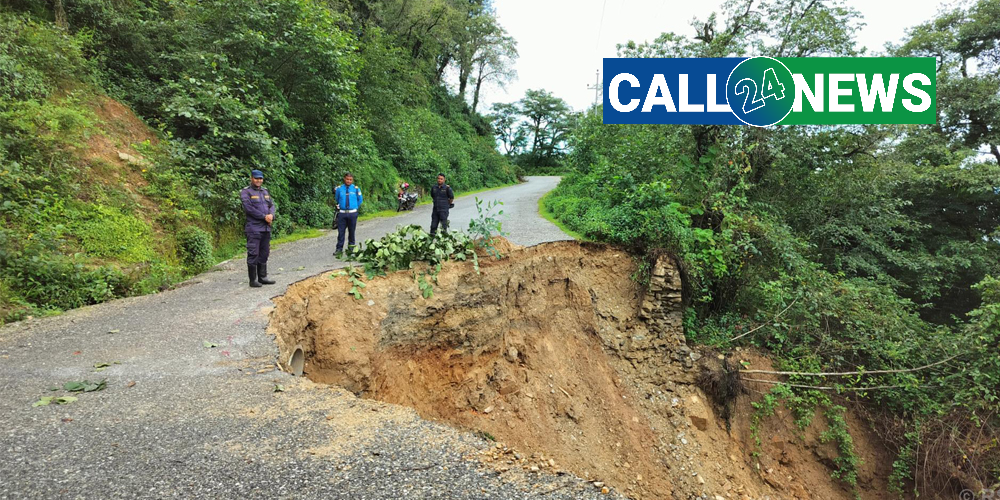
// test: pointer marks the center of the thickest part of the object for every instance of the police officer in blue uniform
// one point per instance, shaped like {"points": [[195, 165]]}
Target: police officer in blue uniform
{"points": [[259, 209], [444, 199], [348, 198]]}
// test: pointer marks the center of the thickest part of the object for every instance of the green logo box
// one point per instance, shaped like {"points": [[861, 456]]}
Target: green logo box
{"points": [[862, 90]]}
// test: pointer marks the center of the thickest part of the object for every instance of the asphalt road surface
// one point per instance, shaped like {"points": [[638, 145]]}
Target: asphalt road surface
{"points": [[180, 419]]}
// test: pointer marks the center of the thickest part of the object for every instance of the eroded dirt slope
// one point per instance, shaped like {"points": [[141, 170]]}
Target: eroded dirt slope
{"points": [[545, 351]]}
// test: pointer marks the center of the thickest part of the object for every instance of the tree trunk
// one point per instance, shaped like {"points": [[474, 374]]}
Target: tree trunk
{"points": [[60, 14], [475, 96], [535, 141], [475, 93], [443, 62], [996, 152], [464, 71]]}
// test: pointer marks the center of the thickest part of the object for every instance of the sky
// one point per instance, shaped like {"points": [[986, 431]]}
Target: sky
{"points": [[562, 42]]}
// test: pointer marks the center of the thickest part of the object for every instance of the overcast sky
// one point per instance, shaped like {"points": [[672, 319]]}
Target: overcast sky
{"points": [[562, 42]]}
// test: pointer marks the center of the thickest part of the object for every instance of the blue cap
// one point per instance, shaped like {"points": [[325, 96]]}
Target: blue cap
{"points": [[256, 174]]}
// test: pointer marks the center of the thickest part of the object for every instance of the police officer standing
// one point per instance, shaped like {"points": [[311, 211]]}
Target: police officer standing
{"points": [[259, 209], [348, 198], [444, 199]]}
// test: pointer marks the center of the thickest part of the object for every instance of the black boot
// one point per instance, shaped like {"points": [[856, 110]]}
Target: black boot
{"points": [[252, 273], [262, 275]]}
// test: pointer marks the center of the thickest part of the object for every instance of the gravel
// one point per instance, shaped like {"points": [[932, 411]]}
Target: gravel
{"points": [[179, 419]]}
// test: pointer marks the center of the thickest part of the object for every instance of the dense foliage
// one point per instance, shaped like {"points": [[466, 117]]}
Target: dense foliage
{"points": [[302, 89], [842, 249]]}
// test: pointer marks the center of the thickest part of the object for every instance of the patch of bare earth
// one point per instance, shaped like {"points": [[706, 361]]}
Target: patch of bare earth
{"points": [[111, 152], [545, 350]]}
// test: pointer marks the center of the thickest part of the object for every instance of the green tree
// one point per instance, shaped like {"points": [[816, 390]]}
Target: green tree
{"points": [[968, 98], [547, 123], [505, 119]]}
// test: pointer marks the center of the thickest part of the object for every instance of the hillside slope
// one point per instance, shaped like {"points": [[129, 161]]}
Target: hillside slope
{"points": [[126, 132]]}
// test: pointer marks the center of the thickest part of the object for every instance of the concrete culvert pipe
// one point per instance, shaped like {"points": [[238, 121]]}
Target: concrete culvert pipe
{"points": [[297, 363]]}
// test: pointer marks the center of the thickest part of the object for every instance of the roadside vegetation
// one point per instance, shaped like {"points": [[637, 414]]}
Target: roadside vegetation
{"points": [[96, 203], [872, 252]]}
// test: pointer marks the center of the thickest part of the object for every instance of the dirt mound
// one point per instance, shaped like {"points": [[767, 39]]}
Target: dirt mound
{"points": [[545, 351]]}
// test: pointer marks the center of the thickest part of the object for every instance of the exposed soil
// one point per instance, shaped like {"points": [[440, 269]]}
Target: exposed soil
{"points": [[111, 152], [544, 351]]}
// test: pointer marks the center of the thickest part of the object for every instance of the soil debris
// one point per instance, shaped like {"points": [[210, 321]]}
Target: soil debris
{"points": [[557, 354]]}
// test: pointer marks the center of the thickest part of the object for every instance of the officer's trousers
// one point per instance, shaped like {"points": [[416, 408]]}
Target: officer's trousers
{"points": [[258, 247], [439, 215], [346, 222]]}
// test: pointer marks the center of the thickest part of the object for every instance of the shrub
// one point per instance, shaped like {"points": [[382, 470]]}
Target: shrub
{"points": [[312, 214], [107, 232], [196, 248], [50, 281]]}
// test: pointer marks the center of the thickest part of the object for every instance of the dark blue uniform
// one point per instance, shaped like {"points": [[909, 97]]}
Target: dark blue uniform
{"points": [[257, 203], [442, 196]]}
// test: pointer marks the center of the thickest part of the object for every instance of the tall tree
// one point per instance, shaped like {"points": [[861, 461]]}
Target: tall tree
{"points": [[480, 32], [506, 118], [548, 121], [965, 43], [494, 63]]}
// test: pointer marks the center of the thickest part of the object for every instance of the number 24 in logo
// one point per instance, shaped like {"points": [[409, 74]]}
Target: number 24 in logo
{"points": [[754, 100]]}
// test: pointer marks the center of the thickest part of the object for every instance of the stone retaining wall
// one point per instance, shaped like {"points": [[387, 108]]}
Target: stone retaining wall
{"points": [[662, 309]]}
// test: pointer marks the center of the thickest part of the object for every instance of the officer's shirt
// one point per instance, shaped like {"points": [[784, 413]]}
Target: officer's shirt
{"points": [[257, 203]]}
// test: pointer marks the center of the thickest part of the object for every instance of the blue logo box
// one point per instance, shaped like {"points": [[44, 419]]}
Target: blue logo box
{"points": [[689, 96]]}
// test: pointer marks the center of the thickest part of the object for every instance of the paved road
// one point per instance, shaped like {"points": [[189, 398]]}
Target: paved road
{"points": [[179, 419]]}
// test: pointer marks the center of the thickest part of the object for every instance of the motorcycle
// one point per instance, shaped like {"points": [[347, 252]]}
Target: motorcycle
{"points": [[407, 201]]}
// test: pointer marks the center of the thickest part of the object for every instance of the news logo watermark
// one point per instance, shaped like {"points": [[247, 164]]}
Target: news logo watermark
{"points": [[764, 91], [984, 494]]}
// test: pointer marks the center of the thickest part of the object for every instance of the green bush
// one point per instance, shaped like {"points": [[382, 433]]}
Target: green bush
{"points": [[312, 214], [196, 250], [40, 275], [108, 233], [12, 306]]}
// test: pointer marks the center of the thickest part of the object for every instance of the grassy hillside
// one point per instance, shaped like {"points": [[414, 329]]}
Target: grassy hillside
{"points": [[128, 127]]}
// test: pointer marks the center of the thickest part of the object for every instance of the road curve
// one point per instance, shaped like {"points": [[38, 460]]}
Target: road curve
{"points": [[180, 419]]}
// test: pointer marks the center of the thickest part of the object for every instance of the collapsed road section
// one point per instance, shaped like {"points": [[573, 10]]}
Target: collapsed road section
{"points": [[557, 351]]}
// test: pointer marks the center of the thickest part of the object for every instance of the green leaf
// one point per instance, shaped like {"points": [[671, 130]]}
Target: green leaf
{"points": [[279, 388], [209, 345], [65, 400], [44, 401], [73, 386], [85, 386], [92, 386]]}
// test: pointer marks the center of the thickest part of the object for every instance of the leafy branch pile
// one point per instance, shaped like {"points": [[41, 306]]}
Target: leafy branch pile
{"points": [[411, 244]]}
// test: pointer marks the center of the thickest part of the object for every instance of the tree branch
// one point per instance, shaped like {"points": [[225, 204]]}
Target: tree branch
{"points": [[762, 325], [844, 374], [828, 388]]}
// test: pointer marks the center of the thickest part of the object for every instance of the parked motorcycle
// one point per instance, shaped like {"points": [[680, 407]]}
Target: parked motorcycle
{"points": [[407, 200]]}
